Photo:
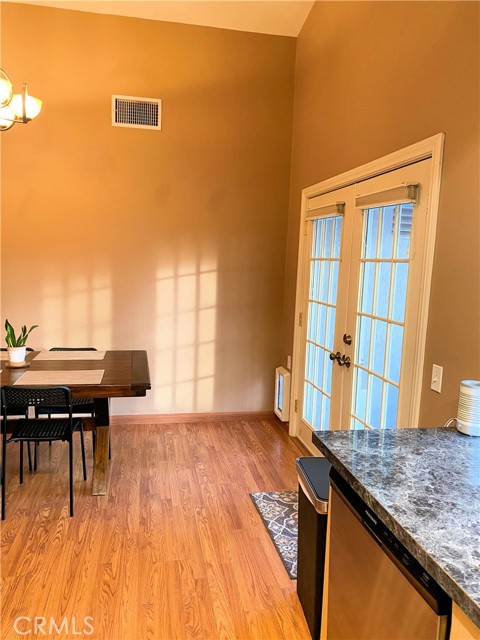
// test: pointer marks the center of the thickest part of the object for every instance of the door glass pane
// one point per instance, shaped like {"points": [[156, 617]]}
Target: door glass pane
{"points": [[322, 324], [325, 410], [327, 251], [379, 341], [371, 233], [319, 367], [395, 339], [404, 231], [332, 296], [324, 269], [312, 322], [363, 341], [383, 289], [314, 279], [338, 237], [381, 315], [388, 229], [356, 424], [368, 279], [361, 379], [374, 401], [330, 335], [324, 281], [399, 291], [310, 361], [317, 242], [391, 405], [317, 409]]}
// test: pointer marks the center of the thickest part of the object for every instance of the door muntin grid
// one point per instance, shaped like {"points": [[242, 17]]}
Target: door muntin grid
{"points": [[322, 305], [380, 316]]}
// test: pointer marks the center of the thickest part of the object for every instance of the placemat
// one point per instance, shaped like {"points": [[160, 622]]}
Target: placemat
{"points": [[70, 355], [92, 376]]}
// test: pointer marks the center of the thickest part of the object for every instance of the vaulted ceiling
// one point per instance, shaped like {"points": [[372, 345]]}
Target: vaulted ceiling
{"points": [[276, 17]]}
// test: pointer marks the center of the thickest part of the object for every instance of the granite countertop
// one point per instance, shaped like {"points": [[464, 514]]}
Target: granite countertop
{"points": [[425, 486]]}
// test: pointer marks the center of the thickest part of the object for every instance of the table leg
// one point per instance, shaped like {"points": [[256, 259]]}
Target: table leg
{"points": [[100, 463]]}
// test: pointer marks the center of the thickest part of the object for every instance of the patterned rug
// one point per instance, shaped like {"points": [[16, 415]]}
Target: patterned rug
{"points": [[279, 512]]}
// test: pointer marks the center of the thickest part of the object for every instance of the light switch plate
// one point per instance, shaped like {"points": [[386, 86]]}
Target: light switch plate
{"points": [[437, 375]]}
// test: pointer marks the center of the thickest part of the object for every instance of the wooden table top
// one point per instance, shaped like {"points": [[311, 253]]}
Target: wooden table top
{"points": [[126, 373]]}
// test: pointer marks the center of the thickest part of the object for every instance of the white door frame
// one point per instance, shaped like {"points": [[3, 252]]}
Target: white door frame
{"points": [[429, 148]]}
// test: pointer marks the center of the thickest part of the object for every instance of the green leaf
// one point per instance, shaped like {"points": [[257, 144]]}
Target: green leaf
{"points": [[10, 337], [12, 340]]}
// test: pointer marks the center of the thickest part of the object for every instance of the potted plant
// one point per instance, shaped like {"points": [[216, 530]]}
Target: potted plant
{"points": [[16, 344]]}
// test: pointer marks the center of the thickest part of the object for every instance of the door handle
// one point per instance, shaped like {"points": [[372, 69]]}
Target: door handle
{"points": [[342, 360]]}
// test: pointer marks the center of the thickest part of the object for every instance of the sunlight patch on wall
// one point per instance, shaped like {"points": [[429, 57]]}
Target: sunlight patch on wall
{"points": [[101, 311], [184, 363], [77, 310]]}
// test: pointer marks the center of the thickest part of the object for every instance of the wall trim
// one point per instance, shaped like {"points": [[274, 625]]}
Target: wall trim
{"points": [[170, 418]]}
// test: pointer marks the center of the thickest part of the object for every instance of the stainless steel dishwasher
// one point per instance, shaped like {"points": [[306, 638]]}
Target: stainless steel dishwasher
{"points": [[376, 588]]}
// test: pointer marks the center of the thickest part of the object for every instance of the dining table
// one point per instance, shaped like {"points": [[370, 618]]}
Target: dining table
{"points": [[99, 375]]}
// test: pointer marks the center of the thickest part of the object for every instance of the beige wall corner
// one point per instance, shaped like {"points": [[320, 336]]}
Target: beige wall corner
{"points": [[375, 77]]}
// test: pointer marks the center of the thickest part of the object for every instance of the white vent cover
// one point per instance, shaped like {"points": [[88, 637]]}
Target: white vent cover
{"points": [[137, 113], [281, 404]]}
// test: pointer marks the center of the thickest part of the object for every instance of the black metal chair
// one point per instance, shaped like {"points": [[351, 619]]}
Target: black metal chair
{"points": [[21, 412], [80, 405], [40, 430]]}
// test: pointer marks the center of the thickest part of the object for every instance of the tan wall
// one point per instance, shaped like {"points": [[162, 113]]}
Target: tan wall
{"points": [[372, 78], [169, 241]]}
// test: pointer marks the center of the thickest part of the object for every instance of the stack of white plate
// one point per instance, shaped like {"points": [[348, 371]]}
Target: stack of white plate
{"points": [[468, 416]]}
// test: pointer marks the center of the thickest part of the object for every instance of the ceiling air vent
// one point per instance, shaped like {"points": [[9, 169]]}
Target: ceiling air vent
{"points": [[136, 113]]}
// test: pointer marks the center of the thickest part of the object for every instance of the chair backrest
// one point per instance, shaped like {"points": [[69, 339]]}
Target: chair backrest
{"points": [[36, 397], [72, 349], [27, 348]]}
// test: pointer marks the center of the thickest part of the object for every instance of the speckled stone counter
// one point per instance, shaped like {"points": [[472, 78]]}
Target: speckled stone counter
{"points": [[425, 486]]}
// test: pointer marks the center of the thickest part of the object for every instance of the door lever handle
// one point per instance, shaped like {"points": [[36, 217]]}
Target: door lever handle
{"points": [[342, 360]]}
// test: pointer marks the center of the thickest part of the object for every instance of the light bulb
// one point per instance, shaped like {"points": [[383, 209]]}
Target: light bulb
{"points": [[7, 118], [5, 88], [33, 106]]}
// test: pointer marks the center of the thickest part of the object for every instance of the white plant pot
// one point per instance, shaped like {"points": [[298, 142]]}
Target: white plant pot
{"points": [[16, 355]]}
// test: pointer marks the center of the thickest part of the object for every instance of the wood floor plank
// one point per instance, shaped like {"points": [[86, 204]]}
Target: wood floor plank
{"points": [[175, 551]]}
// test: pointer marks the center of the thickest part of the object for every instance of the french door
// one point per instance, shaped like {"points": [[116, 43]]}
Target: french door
{"points": [[362, 278]]}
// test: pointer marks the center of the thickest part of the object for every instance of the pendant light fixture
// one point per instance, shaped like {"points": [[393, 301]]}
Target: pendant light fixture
{"points": [[16, 107]]}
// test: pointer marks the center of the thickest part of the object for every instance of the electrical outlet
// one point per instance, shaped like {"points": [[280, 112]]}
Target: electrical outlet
{"points": [[437, 375], [289, 362]]}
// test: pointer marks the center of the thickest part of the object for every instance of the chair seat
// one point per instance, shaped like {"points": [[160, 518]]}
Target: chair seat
{"points": [[57, 429], [82, 401], [80, 405]]}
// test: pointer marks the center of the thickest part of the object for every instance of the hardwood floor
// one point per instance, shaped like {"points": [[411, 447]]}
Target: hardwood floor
{"points": [[176, 550]]}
